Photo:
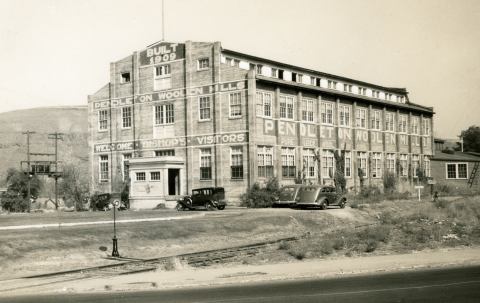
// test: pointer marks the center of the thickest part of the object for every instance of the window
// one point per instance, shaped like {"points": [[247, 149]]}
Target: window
{"points": [[388, 97], [376, 165], [127, 117], [155, 176], [389, 122], [402, 124], [265, 161], [457, 170], [259, 69], [162, 79], [363, 163], [400, 99], [103, 120], [125, 77], [264, 104], [327, 112], [288, 162], [204, 108], [415, 165], [332, 84], [236, 164], [103, 163], [205, 164], [344, 113], [426, 127], [309, 163], [327, 164], [164, 114], [348, 164], [274, 73], [403, 167], [415, 125], [376, 120], [286, 107], [126, 157], [361, 118], [313, 80], [347, 88], [426, 165], [390, 163], [162, 70], [140, 176], [235, 105], [307, 109], [375, 94], [164, 152], [362, 91], [203, 64]]}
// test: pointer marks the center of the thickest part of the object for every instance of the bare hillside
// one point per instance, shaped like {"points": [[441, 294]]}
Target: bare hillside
{"points": [[72, 121]]}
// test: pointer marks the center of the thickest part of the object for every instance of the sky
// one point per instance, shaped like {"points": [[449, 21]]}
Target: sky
{"points": [[55, 53]]}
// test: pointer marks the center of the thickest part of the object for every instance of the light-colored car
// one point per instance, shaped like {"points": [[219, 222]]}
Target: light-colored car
{"points": [[287, 195], [318, 196]]}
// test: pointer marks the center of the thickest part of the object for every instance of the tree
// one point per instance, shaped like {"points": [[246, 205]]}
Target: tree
{"points": [[471, 139], [15, 199], [339, 177], [74, 186]]}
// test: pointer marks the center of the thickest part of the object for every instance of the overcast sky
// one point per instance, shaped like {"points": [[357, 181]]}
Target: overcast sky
{"points": [[57, 52]]}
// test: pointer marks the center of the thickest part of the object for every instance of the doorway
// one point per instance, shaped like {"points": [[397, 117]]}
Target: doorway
{"points": [[173, 181]]}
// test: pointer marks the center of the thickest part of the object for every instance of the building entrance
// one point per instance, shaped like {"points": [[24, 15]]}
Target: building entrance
{"points": [[173, 181]]}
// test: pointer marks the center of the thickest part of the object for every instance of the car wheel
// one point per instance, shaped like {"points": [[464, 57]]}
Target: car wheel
{"points": [[209, 206], [180, 207], [221, 207], [342, 204], [323, 205]]}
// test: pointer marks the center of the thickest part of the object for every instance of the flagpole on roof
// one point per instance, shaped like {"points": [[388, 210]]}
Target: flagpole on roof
{"points": [[163, 21]]}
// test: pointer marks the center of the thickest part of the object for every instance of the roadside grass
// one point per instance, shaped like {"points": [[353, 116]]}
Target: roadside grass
{"points": [[24, 252]]}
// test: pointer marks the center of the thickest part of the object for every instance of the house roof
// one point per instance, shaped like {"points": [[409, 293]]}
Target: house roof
{"points": [[398, 90], [456, 156]]}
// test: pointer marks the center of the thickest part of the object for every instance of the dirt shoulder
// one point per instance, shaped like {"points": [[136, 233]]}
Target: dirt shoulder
{"points": [[183, 276]]}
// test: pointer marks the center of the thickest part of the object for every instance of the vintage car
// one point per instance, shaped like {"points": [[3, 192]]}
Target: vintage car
{"points": [[319, 196], [208, 198], [287, 195]]}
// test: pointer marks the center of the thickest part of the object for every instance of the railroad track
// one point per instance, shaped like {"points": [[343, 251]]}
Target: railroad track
{"points": [[197, 259]]}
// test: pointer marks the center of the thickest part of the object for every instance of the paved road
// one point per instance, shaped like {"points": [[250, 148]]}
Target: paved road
{"points": [[440, 285]]}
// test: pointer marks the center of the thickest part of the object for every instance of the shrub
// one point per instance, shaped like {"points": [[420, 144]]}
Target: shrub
{"points": [[284, 245], [258, 197], [371, 245], [297, 252], [389, 182], [14, 202]]}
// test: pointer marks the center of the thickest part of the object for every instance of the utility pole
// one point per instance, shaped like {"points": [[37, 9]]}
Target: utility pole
{"points": [[28, 133], [56, 136]]}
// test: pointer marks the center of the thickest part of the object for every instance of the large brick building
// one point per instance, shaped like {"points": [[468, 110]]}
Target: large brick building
{"points": [[177, 116]]}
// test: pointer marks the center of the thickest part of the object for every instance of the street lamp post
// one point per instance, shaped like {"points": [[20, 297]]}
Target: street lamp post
{"points": [[115, 241]]}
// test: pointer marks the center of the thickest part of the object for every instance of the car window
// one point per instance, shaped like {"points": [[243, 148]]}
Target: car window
{"points": [[195, 192], [324, 190]]}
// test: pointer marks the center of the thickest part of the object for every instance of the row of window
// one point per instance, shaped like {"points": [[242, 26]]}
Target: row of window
{"points": [[236, 164], [311, 80], [165, 70], [372, 163], [310, 160], [165, 113], [307, 107]]}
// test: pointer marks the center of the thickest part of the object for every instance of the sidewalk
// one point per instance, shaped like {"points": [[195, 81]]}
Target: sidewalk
{"points": [[211, 276]]}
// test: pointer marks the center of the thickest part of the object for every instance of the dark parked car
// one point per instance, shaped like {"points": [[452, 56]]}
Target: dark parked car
{"points": [[319, 197], [287, 195], [208, 198]]}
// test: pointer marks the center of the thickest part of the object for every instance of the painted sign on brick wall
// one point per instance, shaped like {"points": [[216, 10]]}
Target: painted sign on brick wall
{"points": [[161, 53], [173, 94], [226, 138]]}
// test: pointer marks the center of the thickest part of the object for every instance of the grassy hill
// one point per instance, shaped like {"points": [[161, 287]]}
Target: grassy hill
{"points": [[70, 120]]}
